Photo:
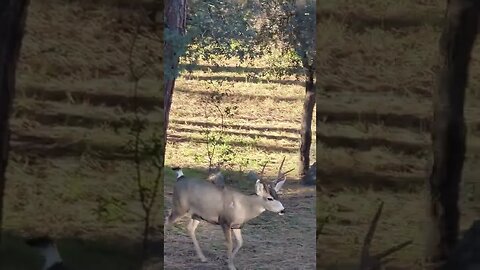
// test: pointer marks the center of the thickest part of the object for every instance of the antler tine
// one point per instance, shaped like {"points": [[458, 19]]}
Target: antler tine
{"points": [[263, 171], [365, 255], [281, 176], [393, 249], [280, 169]]}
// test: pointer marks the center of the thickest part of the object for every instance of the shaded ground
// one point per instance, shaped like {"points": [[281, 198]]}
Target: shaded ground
{"points": [[77, 254]]}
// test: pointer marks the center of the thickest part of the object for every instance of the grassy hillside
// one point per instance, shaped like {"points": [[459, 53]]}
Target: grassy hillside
{"points": [[378, 63], [69, 164]]}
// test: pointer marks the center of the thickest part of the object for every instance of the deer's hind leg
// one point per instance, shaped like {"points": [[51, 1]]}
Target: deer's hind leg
{"points": [[239, 239], [228, 237], [191, 227], [175, 214]]}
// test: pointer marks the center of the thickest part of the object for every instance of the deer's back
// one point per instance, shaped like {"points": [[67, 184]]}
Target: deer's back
{"points": [[200, 198]]}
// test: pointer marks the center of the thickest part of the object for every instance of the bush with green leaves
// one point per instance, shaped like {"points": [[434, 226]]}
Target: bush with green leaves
{"points": [[248, 30]]}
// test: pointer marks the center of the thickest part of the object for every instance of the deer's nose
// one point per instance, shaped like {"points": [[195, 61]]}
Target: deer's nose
{"points": [[282, 212]]}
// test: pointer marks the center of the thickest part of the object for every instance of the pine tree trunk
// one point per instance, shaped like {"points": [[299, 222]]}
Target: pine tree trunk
{"points": [[306, 128], [448, 133], [12, 24], [175, 16]]}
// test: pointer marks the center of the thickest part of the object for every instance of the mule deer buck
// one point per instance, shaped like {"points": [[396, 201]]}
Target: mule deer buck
{"points": [[224, 206]]}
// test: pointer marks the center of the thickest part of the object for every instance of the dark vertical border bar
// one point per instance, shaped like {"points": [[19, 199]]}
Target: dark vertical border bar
{"points": [[71, 135], [12, 26]]}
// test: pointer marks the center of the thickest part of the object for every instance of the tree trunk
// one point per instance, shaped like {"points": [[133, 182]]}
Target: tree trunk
{"points": [[12, 24], [448, 133], [465, 256], [175, 16], [306, 129]]}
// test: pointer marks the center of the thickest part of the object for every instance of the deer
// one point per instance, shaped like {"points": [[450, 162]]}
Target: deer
{"points": [[48, 249], [223, 206]]}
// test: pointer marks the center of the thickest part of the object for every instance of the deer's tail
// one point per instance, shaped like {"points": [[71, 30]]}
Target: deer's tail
{"points": [[179, 172]]}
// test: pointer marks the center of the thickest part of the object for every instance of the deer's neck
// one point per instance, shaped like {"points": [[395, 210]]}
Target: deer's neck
{"points": [[253, 207]]}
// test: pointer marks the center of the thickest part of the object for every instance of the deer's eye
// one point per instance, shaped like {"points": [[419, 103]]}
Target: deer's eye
{"points": [[270, 199]]}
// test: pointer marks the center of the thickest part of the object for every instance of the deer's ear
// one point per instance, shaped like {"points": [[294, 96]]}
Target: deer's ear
{"points": [[259, 188], [279, 184]]}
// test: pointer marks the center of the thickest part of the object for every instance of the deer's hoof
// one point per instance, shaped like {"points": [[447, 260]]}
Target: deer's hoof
{"points": [[231, 267], [203, 259]]}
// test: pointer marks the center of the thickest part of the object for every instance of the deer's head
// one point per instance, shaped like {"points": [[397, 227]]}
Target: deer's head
{"points": [[269, 191]]}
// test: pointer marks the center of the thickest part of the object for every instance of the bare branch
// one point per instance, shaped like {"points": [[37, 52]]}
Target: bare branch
{"points": [[147, 193]]}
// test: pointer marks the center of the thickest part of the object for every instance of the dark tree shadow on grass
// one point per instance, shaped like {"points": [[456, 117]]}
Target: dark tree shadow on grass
{"points": [[78, 254], [233, 69], [361, 22], [243, 79], [239, 97]]}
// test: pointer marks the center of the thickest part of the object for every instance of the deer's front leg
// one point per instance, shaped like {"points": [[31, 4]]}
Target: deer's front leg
{"points": [[238, 236], [228, 237]]}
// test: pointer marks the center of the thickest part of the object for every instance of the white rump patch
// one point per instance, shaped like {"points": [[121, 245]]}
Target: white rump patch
{"points": [[179, 173], [51, 256]]}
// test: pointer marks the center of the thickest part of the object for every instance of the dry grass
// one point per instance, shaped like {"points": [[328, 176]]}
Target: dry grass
{"points": [[89, 42], [70, 126], [265, 126], [377, 64]]}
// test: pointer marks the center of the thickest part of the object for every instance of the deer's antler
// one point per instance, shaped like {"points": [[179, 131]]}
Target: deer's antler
{"points": [[280, 168], [365, 254], [262, 172], [281, 175], [368, 262]]}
